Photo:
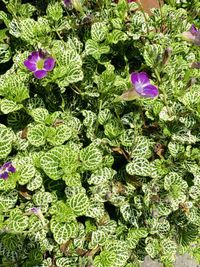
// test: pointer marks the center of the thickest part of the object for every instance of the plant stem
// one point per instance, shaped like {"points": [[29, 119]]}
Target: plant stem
{"points": [[163, 91]]}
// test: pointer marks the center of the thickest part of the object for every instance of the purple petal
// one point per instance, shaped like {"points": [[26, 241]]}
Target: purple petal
{"points": [[34, 57], [150, 91], [6, 165], [39, 74], [195, 65], [193, 30], [49, 64], [139, 77], [67, 2], [42, 54], [35, 210], [11, 168], [30, 65], [4, 175]]}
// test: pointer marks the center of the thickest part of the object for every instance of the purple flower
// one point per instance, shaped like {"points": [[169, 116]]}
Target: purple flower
{"points": [[193, 35], [6, 169], [142, 85], [195, 65], [67, 2], [37, 211], [39, 63]]}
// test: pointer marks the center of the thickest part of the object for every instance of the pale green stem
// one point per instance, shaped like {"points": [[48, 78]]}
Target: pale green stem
{"points": [[163, 91]]}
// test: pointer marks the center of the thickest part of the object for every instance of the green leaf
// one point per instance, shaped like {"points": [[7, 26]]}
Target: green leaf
{"points": [[113, 128], [6, 139], [139, 166], [12, 242], [70, 56], [120, 249], [62, 232], [55, 11], [103, 116], [194, 192], [72, 74], [36, 135], [134, 235], [101, 176], [153, 247], [90, 118], [91, 157], [62, 212], [176, 149], [39, 115], [8, 200], [42, 198], [36, 182], [4, 17], [64, 261], [166, 114], [95, 49], [62, 134], [14, 28], [95, 210], [17, 222], [141, 147], [79, 204], [50, 162], [13, 87], [5, 53], [106, 258], [8, 106], [69, 160], [153, 55], [174, 179], [116, 36], [127, 138], [177, 187], [185, 136], [27, 28], [98, 238], [169, 249], [99, 31], [27, 172], [26, 10]]}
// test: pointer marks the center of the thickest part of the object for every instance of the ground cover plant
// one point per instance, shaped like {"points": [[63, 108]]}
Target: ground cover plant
{"points": [[99, 132]]}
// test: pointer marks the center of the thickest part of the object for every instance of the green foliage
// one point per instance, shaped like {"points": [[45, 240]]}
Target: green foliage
{"points": [[6, 139], [98, 182]]}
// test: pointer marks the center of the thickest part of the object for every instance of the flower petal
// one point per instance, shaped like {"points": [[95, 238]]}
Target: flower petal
{"points": [[150, 91], [30, 65], [11, 168], [195, 65], [35, 210], [34, 57], [6, 165], [67, 2], [49, 64], [4, 175], [42, 54], [193, 30], [140, 77], [39, 74]]}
